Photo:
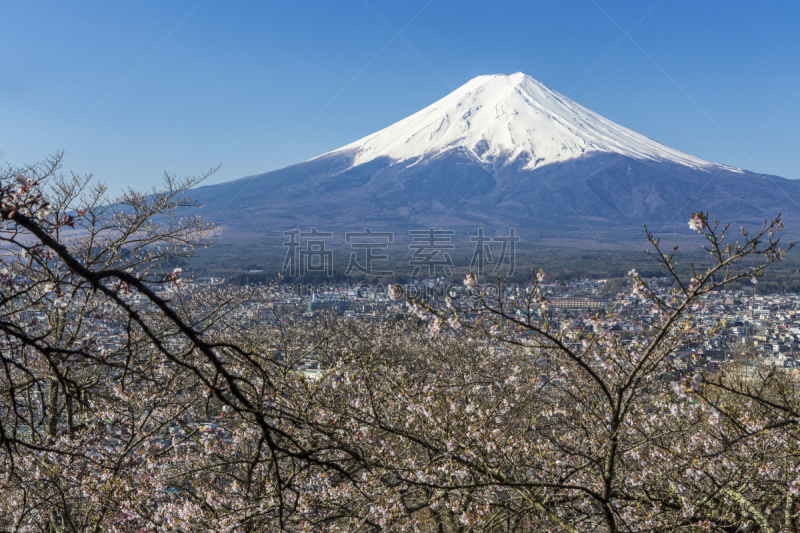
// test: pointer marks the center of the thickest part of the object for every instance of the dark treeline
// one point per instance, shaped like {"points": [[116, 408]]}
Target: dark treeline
{"points": [[782, 278]]}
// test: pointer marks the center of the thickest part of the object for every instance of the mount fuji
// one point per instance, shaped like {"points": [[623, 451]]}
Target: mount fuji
{"points": [[515, 118], [501, 151]]}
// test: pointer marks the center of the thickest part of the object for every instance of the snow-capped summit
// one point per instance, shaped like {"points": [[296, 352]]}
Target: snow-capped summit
{"points": [[499, 152], [508, 116]]}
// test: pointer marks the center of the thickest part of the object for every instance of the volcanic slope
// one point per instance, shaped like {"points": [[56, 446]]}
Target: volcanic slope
{"points": [[500, 151]]}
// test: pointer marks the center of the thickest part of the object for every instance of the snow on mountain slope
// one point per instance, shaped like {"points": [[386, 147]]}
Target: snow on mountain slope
{"points": [[510, 116]]}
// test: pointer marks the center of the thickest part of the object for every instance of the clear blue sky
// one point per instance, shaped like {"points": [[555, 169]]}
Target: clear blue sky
{"points": [[236, 81]]}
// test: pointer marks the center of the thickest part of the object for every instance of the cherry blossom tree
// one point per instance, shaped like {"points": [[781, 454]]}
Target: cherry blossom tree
{"points": [[135, 399]]}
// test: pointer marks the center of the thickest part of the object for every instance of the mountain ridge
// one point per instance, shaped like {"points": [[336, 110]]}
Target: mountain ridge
{"points": [[454, 164], [510, 116]]}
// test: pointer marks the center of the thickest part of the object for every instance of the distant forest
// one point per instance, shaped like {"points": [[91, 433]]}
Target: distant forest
{"points": [[561, 266]]}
